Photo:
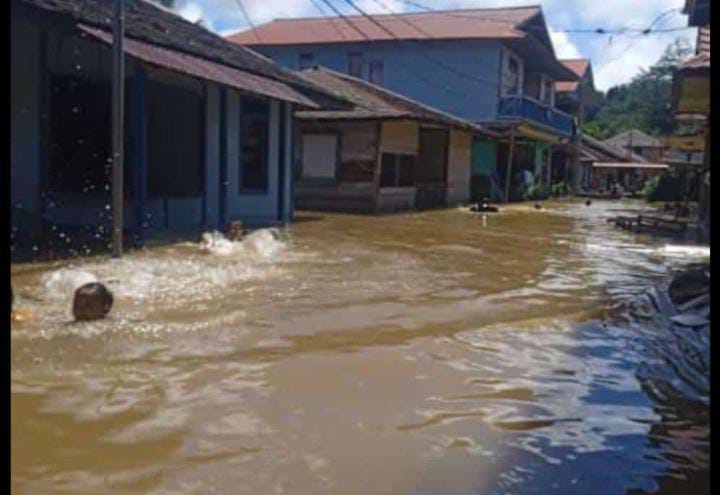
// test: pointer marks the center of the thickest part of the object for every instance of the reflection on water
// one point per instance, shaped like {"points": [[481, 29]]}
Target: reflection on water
{"points": [[433, 353]]}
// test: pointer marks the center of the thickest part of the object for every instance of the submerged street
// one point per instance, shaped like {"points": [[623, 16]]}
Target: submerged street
{"points": [[441, 352]]}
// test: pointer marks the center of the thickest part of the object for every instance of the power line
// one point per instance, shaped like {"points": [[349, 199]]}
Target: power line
{"points": [[599, 30], [331, 19], [490, 82], [429, 82], [249, 21]]}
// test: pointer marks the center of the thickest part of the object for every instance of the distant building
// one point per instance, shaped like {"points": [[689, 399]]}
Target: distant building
{"points": [[639, 143], [208, 124], [691, 94], [577, 98], [603, 165], [494, 66], [383, 153]]}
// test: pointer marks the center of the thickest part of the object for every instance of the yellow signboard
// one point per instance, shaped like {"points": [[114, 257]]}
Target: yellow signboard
{"points": [[686, 143]]}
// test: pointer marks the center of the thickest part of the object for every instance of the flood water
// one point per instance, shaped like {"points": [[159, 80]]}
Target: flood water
{"points": [[426, 353]]}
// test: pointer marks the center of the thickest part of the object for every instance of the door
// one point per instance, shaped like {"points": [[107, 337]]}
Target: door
{"points": [[431, 172]]}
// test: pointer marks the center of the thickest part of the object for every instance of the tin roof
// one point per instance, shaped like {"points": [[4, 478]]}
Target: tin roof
{"points": [[634, 138], [448, 24], [205, 69], [149, 23], [370, 101], [579, 66], [601, 151]]}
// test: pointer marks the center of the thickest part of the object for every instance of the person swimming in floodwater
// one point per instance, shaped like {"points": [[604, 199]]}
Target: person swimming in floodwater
{"points": [[91, 302], [484, 207], [588, 202]]}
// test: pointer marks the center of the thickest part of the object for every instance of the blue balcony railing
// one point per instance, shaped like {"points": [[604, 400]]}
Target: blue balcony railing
{"points": [[522, 107]]}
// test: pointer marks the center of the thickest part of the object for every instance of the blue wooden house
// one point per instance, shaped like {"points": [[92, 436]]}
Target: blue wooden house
{"points": [[496, 67], [208, 125]]}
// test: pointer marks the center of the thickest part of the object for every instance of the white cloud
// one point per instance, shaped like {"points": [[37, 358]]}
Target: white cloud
{"points": [[191, 11], [564, 48]]}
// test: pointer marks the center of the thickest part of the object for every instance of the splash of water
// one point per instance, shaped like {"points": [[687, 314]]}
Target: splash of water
{"points": [[60, 284]]}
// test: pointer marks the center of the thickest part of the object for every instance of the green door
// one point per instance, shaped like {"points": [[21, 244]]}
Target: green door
{"points": [[484, 157]]}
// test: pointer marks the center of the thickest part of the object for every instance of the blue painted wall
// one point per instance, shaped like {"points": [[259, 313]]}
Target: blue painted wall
{"points": [[157, 215], [419, 70]]}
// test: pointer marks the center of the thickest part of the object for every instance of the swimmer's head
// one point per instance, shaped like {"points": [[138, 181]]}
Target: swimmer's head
{"points": [[92, 301]]}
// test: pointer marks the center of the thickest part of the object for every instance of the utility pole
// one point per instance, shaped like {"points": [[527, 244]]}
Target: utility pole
{"points": [[118, 108]]}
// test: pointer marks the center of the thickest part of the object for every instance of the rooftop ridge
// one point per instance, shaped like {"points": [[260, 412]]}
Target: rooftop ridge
{"points": [[396, 14]]}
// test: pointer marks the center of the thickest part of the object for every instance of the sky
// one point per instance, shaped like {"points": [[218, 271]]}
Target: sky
{"points": [[616, 59]]}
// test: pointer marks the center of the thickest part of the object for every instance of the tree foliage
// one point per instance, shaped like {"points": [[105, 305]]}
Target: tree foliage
{"points": [[644, 103]]}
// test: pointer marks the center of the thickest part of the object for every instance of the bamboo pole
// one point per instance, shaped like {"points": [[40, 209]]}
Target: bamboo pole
{"points": [[118, 107]]}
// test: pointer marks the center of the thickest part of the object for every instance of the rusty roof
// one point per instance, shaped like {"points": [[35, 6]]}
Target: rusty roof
{"points": [[490, 23], [605, 152], [370, 101], [578, 66], [150, 23], [205, 69]]}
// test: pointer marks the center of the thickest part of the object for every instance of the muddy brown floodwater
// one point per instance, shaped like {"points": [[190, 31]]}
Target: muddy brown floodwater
{"points": [[428, 353]]}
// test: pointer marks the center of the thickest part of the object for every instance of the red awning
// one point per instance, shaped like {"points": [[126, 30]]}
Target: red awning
{"points": [[205, 69]]}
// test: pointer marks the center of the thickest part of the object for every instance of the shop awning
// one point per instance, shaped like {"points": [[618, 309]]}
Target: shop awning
{"points": [[205, 69], [653, 166]]}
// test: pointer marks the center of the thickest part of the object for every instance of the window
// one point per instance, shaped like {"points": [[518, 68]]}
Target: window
{"points": [[546, 90], [355, 64], [307, 60], [397, 170], [377, 72], [512, 75], [254, 139]]}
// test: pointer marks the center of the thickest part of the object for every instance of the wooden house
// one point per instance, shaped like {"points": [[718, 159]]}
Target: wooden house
{"points": [[492, 66], [385, 152]]}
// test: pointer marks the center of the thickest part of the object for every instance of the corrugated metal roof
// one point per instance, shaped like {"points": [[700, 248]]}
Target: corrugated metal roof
{"points": [[608, 152], [634, 138], [449, 24], [579, 66], [148, 22], [205, 69], [373, 102]]}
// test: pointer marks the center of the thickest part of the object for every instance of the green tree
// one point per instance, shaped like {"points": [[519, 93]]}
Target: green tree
{"points": [[644, 103]]}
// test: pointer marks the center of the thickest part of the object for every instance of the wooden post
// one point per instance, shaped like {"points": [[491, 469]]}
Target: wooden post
{"points": [[508, 175], [118, 103]]}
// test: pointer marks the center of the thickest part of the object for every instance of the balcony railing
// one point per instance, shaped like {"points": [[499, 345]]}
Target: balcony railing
{"points": [[523, 107]]}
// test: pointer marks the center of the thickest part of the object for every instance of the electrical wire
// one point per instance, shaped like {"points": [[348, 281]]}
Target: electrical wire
{"points": [[247, 18]]}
